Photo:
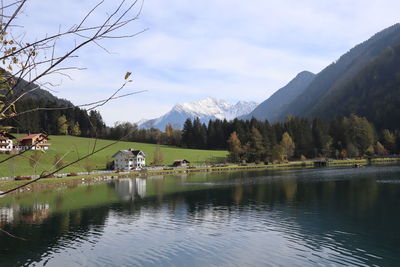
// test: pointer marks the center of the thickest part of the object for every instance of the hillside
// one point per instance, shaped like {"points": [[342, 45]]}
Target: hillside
{"points": [[374, 93], [74, 146], [52, 107], [36, 93], [336, 75], [271, 108]]}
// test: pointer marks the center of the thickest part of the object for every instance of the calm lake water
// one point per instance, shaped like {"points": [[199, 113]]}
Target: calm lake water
{"points": [[262, 218]]}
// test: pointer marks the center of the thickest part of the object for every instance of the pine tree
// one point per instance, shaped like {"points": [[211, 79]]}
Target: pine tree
{"points": [[321, 139], [257, 149], [187, 134]]}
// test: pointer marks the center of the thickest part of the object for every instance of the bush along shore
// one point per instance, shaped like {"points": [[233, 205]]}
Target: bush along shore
{"points": [[71, 179]]}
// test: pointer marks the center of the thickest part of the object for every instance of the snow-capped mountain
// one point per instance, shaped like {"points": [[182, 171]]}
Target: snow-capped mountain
{"points": [[206, 109]]}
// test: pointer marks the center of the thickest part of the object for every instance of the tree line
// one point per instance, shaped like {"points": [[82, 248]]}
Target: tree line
{"points": [[256, 141], [296, 138], [247, 140], [55, 119]]}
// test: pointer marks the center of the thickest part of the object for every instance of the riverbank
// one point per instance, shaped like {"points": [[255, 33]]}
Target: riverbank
{"points": [[48, 183]]}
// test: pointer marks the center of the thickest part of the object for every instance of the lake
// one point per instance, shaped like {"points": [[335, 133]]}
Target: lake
{"points": [[328, 216]]}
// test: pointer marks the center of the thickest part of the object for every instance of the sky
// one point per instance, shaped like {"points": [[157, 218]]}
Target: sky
{"points": [[227, 49]]}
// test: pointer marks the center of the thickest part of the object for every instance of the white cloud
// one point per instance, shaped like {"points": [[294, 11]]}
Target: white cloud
{"points": [[231, 49]]}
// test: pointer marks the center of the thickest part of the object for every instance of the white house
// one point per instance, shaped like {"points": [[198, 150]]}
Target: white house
{"points": [[6, 142], [129, 159]]}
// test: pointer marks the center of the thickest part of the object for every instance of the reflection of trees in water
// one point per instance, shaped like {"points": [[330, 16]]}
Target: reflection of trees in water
{"points": [[56, 231], [130, 189], [313, 207], [34, 214], [309, 208]]}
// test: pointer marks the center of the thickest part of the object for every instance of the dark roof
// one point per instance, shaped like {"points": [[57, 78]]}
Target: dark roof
{"points": [[129, 152], [181, 160], [136, 152]]}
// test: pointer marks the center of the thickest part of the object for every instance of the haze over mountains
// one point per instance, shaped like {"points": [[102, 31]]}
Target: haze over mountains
{"points": [[206, 109], [365, 81]]}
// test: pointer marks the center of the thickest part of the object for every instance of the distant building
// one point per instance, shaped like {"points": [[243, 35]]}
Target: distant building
{"points": [[129, 159], [6, 142], [37, 141], [181, 163]]}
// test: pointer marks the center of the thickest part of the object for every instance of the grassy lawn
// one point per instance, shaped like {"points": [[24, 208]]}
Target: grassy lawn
{"points": [[74, 146]]}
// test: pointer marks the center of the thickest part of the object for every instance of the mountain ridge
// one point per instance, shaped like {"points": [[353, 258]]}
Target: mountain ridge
{"points": [[271, 108], [205, 109], [342, 71]]}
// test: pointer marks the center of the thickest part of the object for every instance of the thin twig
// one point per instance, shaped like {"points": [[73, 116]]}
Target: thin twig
{"points": [[11, 235]]}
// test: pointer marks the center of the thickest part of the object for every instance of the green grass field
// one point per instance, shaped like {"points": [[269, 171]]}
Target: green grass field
{"points": [[73, 147]]}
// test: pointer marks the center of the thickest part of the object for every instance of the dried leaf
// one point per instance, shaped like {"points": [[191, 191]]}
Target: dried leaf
{"points": [[127, 75]]}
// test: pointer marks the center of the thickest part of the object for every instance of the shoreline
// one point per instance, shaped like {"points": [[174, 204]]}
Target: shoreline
{"points": [[51, 183]]}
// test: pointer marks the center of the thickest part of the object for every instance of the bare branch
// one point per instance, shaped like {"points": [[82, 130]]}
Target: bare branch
{"points": [[11, 235], [14, 15]]}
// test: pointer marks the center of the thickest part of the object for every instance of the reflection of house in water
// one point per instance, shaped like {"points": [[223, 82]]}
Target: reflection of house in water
{"points": [[34, 214], [129, 189], [37, 214], [6, 215]]}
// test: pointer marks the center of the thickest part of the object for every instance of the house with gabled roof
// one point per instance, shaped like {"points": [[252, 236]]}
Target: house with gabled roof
{"points": [[6, 141], [37, 141], [129, 159]]}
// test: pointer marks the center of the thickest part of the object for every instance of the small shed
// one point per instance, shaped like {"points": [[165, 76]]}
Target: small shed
{"points": [[181, 163]]}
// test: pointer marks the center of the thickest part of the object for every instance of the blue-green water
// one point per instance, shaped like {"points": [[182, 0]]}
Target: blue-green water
{"points": [[284, 218]]}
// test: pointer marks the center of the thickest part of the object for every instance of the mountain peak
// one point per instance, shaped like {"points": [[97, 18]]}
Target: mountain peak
{"points": [[205, 109], [304, 73], [270, 108]]}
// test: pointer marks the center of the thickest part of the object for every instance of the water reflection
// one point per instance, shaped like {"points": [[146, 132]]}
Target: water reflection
{"points": [[129, 189], [7, 214], [35, 214], [339, 217]]}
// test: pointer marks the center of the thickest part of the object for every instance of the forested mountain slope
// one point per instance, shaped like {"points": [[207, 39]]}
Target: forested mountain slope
{"points": [[271, 108], [338, 74], [374, 93]]}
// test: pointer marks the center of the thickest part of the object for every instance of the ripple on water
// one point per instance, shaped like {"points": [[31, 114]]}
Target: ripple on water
{"points": [[214, 230]]}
